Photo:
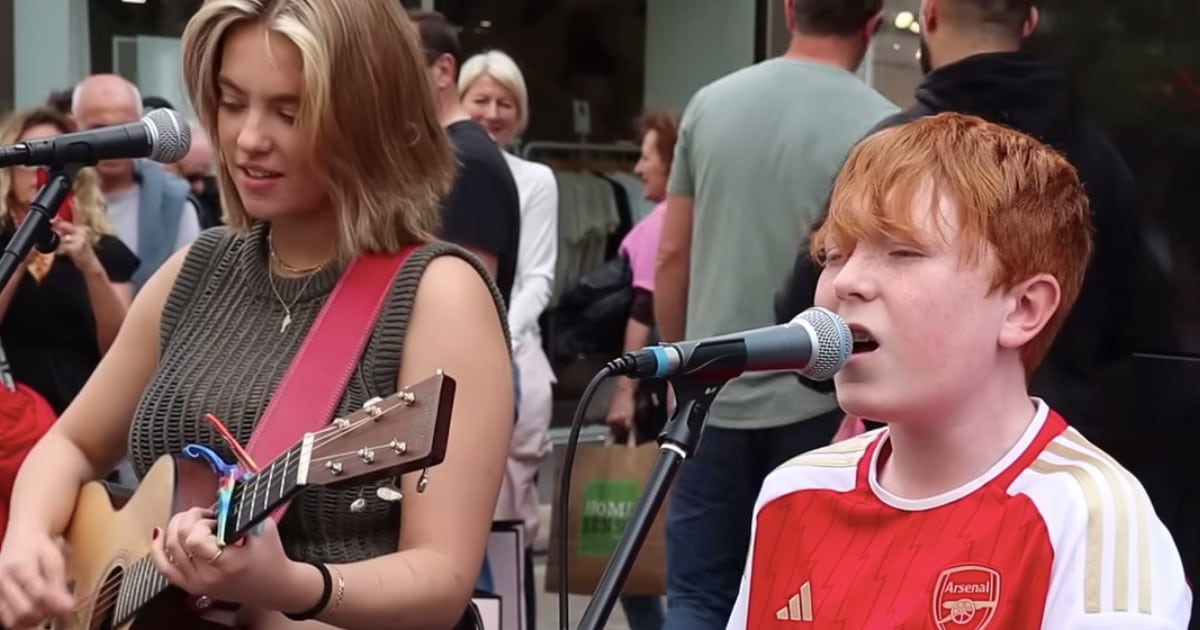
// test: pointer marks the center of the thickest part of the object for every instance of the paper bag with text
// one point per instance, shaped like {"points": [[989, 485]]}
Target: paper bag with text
{"points": [[605, 485]]}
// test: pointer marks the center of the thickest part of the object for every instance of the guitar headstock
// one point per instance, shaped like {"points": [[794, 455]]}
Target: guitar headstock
{"points": [[389, 436]]}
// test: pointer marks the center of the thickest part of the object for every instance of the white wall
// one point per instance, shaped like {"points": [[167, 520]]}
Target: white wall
{"points": [[691, 42], [44, 59]]}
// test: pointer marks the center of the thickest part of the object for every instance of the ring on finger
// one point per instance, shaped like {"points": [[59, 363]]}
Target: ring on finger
{"points": [[216, 556]]}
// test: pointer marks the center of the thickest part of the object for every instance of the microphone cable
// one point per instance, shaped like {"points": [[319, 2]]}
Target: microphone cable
{"points": [[564, 488]]}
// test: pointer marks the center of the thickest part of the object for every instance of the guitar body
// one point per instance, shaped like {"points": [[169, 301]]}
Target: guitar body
{"points": [[104, 540]]}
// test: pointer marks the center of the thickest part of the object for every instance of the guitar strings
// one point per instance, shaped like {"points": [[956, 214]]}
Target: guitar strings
{"points": [[106, 595]]}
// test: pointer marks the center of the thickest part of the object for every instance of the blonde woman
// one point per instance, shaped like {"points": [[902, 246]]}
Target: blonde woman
{"points": [[60, 311], [319, 161], [493, 93]]}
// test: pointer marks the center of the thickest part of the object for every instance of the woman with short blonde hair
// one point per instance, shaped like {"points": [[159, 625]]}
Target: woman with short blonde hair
{"points": [[388, 193], [504, 71], [328, 148], [493, 93]]}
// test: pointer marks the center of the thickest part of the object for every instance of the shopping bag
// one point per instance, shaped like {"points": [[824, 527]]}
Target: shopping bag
{"points": [[606, 483]]}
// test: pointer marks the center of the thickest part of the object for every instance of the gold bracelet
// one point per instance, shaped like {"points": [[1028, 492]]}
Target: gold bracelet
{"points": [[341, 589]]}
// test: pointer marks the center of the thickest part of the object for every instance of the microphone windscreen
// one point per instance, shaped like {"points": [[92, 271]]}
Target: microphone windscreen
{"points": [[171, 135], [833, 342]]}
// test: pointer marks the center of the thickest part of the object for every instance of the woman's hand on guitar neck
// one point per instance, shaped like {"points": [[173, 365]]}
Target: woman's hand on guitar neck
{"points": [[33, 579], [255, 571]]}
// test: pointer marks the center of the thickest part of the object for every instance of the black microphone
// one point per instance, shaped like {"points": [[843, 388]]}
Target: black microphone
{"points": [[161, 136], [816, 343]]}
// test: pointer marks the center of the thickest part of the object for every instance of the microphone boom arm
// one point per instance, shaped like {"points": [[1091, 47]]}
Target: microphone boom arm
{"points": [[34, 230]]}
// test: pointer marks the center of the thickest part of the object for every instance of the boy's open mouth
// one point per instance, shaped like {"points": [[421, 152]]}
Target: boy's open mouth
{"points": [[863, 341]]}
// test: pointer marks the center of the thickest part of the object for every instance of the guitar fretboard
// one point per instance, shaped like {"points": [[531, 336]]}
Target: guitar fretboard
{"points": [[251, 501]]}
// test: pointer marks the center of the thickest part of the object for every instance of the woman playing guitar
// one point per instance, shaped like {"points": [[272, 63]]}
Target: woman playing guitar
{"points": [[329, 148]]}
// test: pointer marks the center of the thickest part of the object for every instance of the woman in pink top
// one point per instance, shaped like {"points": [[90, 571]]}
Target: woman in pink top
{"points": [[659, 131], [640, 247]]}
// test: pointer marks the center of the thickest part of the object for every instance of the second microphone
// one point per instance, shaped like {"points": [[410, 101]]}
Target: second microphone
{"points": [[817, 343]]}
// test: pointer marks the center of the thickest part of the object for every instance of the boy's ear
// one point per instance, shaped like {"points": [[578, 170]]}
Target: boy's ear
{"points": [[1032, 305]]}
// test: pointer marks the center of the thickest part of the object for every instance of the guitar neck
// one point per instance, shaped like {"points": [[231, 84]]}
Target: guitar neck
{"points": [[251, 502]]}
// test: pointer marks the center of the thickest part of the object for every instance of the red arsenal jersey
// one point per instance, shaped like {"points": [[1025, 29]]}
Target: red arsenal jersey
{"points": [[1056, 535]]}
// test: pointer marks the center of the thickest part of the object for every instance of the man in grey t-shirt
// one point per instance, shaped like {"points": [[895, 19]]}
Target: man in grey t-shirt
{"points": [[757, 154]]}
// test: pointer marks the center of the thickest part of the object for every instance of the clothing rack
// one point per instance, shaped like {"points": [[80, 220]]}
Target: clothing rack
{"points": [[531, 147]]}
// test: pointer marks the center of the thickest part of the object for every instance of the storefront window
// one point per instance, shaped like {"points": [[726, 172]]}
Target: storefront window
{"points": [[592, 51], [110, 19], [569, 52], [895, 65]]}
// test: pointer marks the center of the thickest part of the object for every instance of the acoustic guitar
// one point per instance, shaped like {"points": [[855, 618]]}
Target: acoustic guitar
{"points": [[112, 575]]}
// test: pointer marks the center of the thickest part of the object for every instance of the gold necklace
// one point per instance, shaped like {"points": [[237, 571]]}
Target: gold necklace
{"points": [[287, 308], [284, 266]]}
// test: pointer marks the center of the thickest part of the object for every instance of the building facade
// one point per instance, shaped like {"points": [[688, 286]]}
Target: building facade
{"points": [[617, 56]]}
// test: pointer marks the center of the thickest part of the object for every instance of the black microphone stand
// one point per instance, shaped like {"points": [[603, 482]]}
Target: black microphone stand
{"points": [[679, 441], [34, 230]]}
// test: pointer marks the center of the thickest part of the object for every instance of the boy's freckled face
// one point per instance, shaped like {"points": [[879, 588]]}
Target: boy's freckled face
{"points": [[925, 317]]}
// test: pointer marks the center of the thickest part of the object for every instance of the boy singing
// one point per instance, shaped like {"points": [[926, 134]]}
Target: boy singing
{"points": [[954, 249]]}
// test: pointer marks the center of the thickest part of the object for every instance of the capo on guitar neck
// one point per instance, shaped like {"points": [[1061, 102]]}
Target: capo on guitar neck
{"points": [[228, 474], [238, 452]]}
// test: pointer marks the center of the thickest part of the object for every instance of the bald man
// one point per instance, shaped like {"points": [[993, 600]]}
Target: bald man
{"points": [[151, 211]]}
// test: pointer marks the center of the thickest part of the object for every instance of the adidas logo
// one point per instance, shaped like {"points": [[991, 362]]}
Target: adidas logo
{"points": [[799, 606]]}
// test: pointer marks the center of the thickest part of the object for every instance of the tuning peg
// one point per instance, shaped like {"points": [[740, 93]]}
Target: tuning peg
{"points": [[423, 482], [372, 407], [389, 493]]}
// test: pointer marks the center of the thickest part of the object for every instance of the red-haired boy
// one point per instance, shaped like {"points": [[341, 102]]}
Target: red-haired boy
{"points": [[954, 249]]}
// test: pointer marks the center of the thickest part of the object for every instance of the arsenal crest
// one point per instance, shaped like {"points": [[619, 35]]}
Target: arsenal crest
{"points": [[966, 597]]}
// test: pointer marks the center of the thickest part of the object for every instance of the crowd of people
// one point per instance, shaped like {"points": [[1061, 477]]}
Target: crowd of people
{"points": [[975, 243]]}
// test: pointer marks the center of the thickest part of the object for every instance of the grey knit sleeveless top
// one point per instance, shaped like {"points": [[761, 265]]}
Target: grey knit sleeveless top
{"points": [[222, 352]]}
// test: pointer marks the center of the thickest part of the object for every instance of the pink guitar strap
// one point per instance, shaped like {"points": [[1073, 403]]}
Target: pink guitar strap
{"points": [[308, 394]]}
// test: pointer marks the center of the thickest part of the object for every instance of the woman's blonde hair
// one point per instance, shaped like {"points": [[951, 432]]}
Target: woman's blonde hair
{"points": [[89, 208], [367, 109], [503, 70]]}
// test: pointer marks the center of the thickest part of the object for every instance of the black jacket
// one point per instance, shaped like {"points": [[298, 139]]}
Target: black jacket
{"points": [[1022, 92]]}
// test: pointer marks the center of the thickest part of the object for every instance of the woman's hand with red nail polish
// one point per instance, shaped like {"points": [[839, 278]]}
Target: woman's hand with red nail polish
{"points": [[253, 570]]}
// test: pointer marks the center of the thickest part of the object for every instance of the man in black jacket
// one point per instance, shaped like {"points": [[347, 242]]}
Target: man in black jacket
{"points": [[970, 51]]}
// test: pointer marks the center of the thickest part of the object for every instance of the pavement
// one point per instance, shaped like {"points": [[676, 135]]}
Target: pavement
{"points": [[547, 605]]}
